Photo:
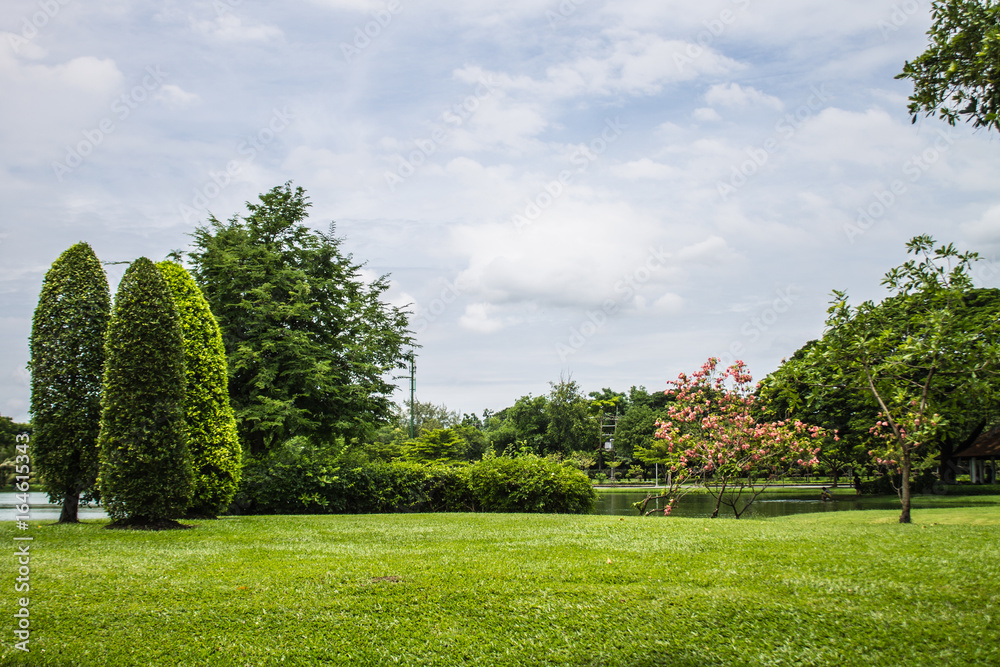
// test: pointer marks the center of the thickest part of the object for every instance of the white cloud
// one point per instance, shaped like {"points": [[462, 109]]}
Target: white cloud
{"points": [[706, 115], [47, 106], [644, 168], [735, 96], [477, 318], [352, 5], [712, 251], [669, 304], [624, 62], [871, 138], [985, 230], [176, 97], [499, 122], [229, 28]]}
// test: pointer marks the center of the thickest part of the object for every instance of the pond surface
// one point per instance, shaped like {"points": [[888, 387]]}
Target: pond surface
{"points": [[617, 503], [766, 505], [41, 510]]}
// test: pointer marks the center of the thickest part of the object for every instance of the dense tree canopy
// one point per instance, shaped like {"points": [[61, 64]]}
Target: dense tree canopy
{"points": [[558, 423], [522, 424], [145, 467], [309, 342], [958, 76], [67, 360], [835, 407], [924, 356]]}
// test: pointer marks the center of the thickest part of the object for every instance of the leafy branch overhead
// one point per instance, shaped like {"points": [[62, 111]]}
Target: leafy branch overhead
{"points": [[959, 73]]}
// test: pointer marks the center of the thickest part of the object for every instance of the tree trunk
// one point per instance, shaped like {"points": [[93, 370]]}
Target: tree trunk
{"points": [[70, 508], [904, 516], [718, 503]]}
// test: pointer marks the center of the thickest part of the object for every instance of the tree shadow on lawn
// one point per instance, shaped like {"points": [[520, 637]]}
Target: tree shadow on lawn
{"points": [[143, 523]]}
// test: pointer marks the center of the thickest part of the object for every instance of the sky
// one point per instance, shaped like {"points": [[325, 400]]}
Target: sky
{"points": [[608, 192]]}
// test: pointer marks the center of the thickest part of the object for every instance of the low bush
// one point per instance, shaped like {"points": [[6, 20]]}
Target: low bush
{"points": [[309, 485], [528, 483]]}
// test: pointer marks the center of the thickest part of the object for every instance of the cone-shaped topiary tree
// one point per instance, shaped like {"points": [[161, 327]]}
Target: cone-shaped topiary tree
{"points": [[212, 437], [67, 359], [145, 477]]}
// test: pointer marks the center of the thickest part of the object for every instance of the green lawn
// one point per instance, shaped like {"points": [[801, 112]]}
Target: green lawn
{"points": [[844, 588]]}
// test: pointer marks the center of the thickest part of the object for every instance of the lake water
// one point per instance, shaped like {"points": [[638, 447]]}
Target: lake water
{"points": [[41, 510], [618, 503], [766, 505]]}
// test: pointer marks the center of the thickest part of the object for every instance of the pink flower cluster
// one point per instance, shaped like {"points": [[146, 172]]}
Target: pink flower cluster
{"points": [[710, 427]]}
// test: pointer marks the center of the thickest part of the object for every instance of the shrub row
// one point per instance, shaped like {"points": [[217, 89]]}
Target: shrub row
{"points": [[525, 483]]}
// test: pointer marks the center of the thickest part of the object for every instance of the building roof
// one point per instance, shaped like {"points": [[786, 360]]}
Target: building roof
{"points": [[986, 445]]}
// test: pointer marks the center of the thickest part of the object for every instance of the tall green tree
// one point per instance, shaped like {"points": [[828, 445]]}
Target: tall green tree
{"points": [[67, 359], [958, 76], [309, 342], [524, 423], [571, 424], [211, 427], [921, 360], [145, 466]]}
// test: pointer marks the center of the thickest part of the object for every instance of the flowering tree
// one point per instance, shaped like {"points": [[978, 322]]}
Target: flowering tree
{"points": [[711, 433]]}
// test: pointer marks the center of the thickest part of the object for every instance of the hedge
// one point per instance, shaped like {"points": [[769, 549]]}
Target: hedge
{"points": [[526, 483]]}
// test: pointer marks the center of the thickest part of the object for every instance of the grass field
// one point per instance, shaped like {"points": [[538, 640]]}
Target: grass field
{"points": [[844, 588]]}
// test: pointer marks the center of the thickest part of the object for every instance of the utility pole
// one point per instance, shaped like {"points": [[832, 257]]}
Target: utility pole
{"points": [[413, 386], [411, 357]]}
